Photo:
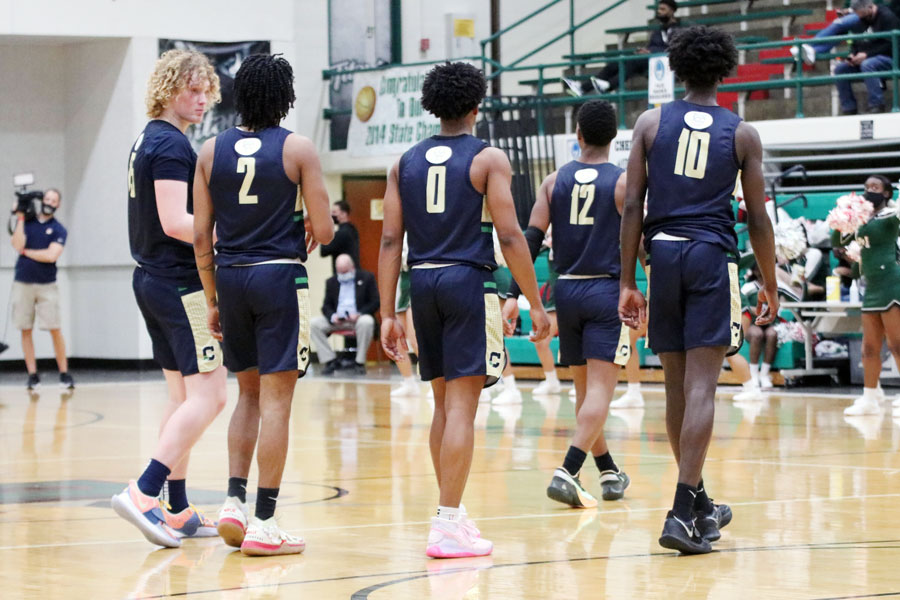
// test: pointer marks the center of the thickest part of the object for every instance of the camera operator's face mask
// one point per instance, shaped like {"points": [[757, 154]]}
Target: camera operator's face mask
{"points": [[47, 209]]}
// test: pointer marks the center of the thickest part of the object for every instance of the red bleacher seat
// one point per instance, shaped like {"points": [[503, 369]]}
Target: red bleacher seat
{"points": [[831, 15], [727, 99]]}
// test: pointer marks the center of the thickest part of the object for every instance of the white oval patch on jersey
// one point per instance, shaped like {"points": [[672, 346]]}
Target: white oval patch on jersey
{"points": [[439, 155], [247, 146], [586, 175], [49, 231], [137, 144], [698, 120]]}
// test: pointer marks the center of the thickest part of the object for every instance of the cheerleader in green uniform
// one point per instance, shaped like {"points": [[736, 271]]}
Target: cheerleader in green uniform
{"points": [[881, 305]]}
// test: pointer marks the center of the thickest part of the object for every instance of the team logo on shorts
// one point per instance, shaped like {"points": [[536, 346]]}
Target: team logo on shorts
{"points": [[495, 359], [209, 353], [303, 354]]}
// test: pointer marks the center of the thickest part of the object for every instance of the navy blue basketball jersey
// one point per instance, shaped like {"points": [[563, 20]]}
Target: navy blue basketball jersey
{"points": [[585, 220], [445, 216], [161, 152], [258, 209], [692, 170]]}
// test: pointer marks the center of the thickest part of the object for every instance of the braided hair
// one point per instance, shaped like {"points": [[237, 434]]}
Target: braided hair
{"points": [[263, 91]]}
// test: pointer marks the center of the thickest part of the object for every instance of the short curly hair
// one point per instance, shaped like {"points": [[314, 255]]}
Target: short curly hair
{"points": [[453, 90], [263, 91], [702, 56], [172, 73], [597, 122]]}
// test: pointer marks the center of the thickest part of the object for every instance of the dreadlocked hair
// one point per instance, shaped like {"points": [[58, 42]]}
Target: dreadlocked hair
{"points": [[263, 91], [453, 90], [597, 122], [702, 56]]}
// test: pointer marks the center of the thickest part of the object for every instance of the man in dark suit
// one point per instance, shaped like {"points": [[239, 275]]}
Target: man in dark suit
{"points": [[346, 237], [351, 300]]}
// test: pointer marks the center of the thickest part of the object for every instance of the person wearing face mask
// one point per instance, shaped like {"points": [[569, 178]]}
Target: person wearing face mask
{"points": [[351, 300], [607, 79], [880, 265], [346, 238], [39, 242], [867, 56]]}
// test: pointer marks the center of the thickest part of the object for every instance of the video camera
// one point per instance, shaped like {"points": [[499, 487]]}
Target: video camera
{"points": [[27, 202]]}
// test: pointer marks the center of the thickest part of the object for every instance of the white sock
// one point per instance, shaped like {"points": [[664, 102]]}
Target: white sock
{"points": [[634, 387], [550, 375], [411, 381], [448, 514], [765, 369], [754, 372], [870, 394], [509, 382]]}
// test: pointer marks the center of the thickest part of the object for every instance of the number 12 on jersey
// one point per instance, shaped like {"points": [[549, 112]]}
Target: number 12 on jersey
{"points": [[581, 217], [693, 150]]}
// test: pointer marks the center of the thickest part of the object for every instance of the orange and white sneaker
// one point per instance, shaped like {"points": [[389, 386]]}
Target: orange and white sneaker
{"points": [[144, 512], [233, 518], [265, 538], [190, 522], [450, 539]]}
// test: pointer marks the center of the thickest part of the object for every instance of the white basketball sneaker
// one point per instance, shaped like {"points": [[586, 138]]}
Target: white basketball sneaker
{"points": [[407, 389], [630, 399], [451, 539], [750, 394], [509, 396], [233, 517], [765, 382], [265, 538], [547, 387], [864, 405]]}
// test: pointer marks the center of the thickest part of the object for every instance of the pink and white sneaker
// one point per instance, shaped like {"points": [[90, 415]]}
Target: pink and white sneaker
{"points": [[233, 518], [449, 539], [144, 512], [265, 538]]}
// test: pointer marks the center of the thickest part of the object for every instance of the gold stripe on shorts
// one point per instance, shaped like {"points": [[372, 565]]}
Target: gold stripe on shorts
{"points": [[647, 333], [735, 289], [209, 354], [623, 350], [303, 330], [493, 328]]}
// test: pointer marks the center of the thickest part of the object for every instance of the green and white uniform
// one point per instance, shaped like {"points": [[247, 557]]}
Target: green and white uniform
{"points": [[879, 259]]}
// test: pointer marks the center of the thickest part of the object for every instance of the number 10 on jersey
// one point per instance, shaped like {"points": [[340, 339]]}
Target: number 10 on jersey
{"points": [[693, 150]]}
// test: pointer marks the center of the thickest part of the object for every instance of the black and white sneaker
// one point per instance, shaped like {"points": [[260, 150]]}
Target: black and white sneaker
{"points": [[66, 381], [681, 536], [571, 87], [613, 484], [34, 381], [567, 489], [710, 523]]}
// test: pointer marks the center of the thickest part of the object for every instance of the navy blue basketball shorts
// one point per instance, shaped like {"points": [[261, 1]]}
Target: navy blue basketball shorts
{"points": [[587, 312], [456, 312], [264, 312], [694, 296], [175, 315]]}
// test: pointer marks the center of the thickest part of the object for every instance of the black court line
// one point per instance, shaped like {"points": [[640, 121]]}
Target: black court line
{"points": [[95, 418], [404, 576]]}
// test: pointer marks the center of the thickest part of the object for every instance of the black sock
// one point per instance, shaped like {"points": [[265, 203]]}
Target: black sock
{"points": [[265, 502], [574, 460], [683, 508], [702, 503], [177, 495], [153, 478], [605, 462], [237, 488]]}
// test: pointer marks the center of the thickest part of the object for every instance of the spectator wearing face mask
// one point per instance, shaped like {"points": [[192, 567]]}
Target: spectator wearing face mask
{"points": [[351, 301], [867, 56], [39, 242], [346, 238]]}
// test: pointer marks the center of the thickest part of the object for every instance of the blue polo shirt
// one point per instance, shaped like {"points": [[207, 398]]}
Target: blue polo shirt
{"points": [[39, 236]]}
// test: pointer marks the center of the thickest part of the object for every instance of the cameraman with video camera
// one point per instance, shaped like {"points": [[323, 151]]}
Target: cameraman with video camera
{"points": [[39, 240]]}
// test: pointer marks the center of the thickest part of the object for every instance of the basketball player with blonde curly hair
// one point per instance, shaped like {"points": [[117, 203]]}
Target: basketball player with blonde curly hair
{"points": [[169, 294]]}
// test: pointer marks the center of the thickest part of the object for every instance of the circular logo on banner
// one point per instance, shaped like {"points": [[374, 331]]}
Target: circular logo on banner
{"points": [[438, 155], [575, 150], [698, 120], [586, 175], [365, 103], [659, 70], [247, 146]]}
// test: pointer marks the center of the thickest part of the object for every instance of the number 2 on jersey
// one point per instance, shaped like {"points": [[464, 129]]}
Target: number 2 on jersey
{"points": [[436, 188], [581, 217], [693, 150], [247, 166]]}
